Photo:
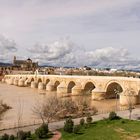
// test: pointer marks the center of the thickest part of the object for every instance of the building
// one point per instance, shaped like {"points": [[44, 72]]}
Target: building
{"points": [[25, 64]]}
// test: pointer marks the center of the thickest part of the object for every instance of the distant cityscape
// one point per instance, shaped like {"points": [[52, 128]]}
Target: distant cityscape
{"points": [[28, 66]]}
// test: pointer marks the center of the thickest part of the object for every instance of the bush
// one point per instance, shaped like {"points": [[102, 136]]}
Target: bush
{"points": [[28, 134], [86, 126], [113, 116], [12, 137], [89, 119], [82, 121], [42, 131], [68, 125], [5, 137], [123, 121], [76, 129], [23, 135]]}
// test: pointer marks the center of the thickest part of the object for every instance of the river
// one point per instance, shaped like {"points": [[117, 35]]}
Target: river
{"points": [[23, 99]]}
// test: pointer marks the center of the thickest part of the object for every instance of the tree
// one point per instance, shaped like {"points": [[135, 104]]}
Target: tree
{"points": [[129, 93], [48, 109], [69, 107], [3, 108], [19, 114], [42, 131]]}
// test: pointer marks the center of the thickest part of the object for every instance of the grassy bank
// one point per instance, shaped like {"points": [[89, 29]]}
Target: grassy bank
{"points": [[107, 130]]}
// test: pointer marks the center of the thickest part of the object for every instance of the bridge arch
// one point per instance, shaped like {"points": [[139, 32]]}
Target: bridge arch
{"points": [[113, 89], [47, 81], [56, 84], [39, 80], [70, 85], [32, 79], [88, 87]]}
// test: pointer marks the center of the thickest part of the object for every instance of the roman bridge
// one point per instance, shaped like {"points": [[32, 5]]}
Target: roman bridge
{"points": [[100, 87]]}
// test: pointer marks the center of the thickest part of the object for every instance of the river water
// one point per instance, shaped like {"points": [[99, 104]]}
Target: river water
{"points": [[23, 99]]}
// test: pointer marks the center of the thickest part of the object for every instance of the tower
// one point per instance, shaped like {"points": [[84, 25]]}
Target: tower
{"points": [[14, 59]]}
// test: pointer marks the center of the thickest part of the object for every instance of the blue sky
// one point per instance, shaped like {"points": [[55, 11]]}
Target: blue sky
{"points": [[71, 32]]}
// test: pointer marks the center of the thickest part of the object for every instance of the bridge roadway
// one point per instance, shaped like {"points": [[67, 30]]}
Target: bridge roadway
{"points": [[127, 89]]}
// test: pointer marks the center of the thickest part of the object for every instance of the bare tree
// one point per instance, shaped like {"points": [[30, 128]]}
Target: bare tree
{"points": [[129, 93], [19, 112], [53, 108], [19, 116], [3, 108], [48, 109]]}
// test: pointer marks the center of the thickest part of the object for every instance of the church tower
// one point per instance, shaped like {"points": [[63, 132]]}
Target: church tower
{"points": [[14, 59]]}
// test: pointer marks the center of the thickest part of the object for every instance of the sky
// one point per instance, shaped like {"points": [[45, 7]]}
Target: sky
{"points": [[97, 33]]}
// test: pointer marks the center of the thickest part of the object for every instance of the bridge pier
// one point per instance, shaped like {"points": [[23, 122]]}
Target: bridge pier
{"points": [[41, 86], [21, 83], [62, 89], [27, 83], [3, 80], [10, 81], [77, 90], [50, 86], [98, 94], [128, 100], [16, 82], [33, 84]]}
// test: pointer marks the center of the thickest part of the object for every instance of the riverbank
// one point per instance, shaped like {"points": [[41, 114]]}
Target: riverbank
{"points": [[60, 124]]}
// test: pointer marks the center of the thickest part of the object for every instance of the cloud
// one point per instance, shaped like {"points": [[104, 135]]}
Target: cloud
{"points": [[92, 23], [67, 53], [7, 48], [53, 51]]}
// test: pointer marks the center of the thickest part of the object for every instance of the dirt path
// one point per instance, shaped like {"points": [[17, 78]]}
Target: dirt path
{"points": [[57, 136]]}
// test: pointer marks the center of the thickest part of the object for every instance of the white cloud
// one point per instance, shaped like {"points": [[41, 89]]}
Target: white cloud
{"points": [[7, 48], [66, 53], [91, 23], [53, 51]]}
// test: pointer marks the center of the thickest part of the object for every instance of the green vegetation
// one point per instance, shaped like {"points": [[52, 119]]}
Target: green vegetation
{"points": [[119, 129], [82, 121], [41, 133], [89, 119], [113, 116], [68, 126]]}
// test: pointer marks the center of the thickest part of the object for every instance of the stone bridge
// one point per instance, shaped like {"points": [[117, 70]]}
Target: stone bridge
{"points": [[100, 87]]}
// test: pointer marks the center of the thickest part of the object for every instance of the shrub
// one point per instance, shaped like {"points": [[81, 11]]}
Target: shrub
{"points": [[123, 121], [5, 137], [89, 119], [28, 134], [42, 131], [68, 126], [76, 129], [82, 121], [113, 116], [22, 135], [12, 137], [86, 126]]}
